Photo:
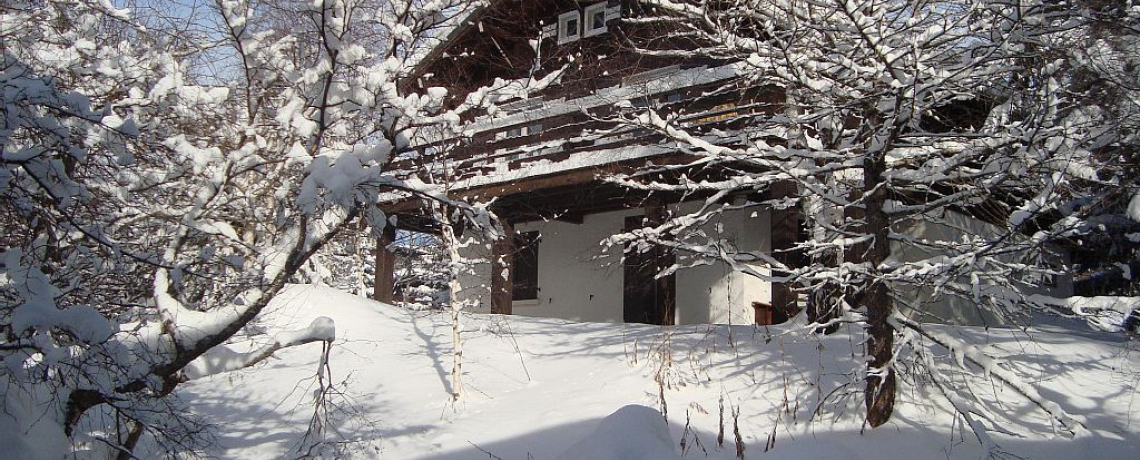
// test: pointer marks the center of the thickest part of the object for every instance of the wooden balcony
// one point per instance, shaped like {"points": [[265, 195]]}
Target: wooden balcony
{"points": [[547, 135]]}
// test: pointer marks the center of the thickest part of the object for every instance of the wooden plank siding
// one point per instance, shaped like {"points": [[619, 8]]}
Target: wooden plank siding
{"points": [[566, 135]]}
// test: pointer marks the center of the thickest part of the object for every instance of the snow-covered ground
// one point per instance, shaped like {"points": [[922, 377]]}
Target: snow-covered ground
{"points": [[543, 389]]}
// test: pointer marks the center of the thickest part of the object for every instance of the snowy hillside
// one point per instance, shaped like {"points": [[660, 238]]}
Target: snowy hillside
{"points": [[542, 389]]}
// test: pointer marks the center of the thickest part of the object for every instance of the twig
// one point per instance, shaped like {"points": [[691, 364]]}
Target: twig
{"points": [[489, 455]]}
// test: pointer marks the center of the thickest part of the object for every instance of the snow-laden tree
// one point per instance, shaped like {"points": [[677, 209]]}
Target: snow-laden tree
{"points": [[166, 171], [1097, 69], [940, 152]]}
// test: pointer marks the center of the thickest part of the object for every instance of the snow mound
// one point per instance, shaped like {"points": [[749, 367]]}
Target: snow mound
{"points": [[547, 389], [634, 432]]}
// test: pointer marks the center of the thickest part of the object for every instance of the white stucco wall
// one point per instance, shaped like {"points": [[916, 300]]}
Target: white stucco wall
{"points": [[579, 280], [715, 293], [924, 303]]}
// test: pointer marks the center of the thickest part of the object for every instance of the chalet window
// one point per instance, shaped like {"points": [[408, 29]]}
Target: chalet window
{"points": [[526, 267], [519, 131], [595, 17], [569, 27]]}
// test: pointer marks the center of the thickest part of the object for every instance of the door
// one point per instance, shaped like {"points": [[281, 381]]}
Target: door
{"points": [[646, 299]]}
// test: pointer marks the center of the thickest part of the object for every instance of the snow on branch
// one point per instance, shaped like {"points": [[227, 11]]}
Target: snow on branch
{"points": [[224, 358], [1107, 313], [968, 353]]}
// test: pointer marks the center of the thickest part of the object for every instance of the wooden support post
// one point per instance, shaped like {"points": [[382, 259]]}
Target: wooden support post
{"points": [[384, 287], [785, 226], [502, 271]]}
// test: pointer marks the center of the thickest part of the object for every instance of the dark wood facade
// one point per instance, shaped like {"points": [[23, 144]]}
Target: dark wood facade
{"points": [[541, 157], [505, 41]]}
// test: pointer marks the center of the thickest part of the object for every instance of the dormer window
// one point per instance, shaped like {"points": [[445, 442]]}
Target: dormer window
{"points": [[569, 27], [595, 17], [573, 25]]}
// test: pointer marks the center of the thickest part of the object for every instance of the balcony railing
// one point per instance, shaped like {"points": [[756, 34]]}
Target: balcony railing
{"points": [[542, 136]]}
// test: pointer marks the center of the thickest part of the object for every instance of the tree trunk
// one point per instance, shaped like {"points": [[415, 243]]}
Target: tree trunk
{"points": [[132, 440], [451, 242], [383, 288], [876, 298]]}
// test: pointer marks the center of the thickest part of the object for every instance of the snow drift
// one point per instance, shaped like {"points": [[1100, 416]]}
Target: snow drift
{"points": [[550, 389]]}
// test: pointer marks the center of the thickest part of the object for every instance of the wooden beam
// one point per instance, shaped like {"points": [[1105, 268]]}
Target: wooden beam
{"points": [[502, 271], [560, 179], [383, 288], [575, 177], [576, 218]]}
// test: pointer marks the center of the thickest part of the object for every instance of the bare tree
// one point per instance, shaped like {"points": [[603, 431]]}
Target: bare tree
{"points": [[935, 149], [163, 179]]}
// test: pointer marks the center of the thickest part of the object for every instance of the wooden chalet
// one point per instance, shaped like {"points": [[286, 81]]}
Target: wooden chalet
{"points": [[543, 159]]}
